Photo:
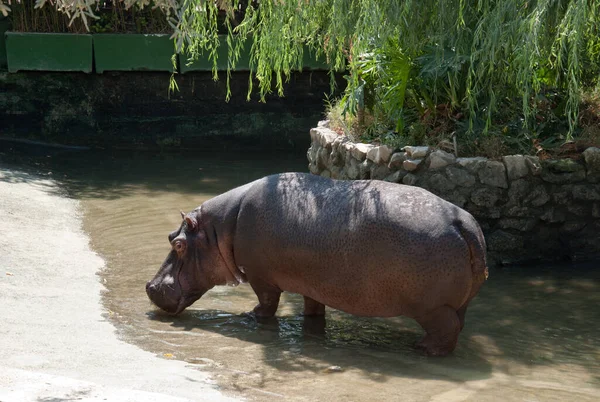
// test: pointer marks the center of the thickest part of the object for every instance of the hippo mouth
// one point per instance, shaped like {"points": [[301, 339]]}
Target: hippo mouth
{"points": [[187, 301]]}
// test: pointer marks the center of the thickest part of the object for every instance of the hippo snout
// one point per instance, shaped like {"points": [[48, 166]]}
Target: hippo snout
{"points": [[163, 297]]}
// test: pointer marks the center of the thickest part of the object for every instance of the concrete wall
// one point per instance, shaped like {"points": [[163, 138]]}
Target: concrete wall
{"points": [[135, 110], [529, 209]]}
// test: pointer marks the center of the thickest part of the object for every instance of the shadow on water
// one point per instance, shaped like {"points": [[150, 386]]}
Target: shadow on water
{"points": [[111, 175], [378, 350], [540, 316]]}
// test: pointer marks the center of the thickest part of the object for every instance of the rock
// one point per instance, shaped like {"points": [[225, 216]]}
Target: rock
{"points": [[312, 167], [411, 164], [494, 174], [561, 197], [416, 152], [337, 158], [554, 215], [343, 175], [359, 151], [516, 166], [596, 210], [326, 173], [534, 165], [485, 197], [537, 197], [457, 199], [440, 183], [333, 369], [485, 213], [379, 172], [335, 172], [314, 135], [472, 164], [323, 158], [522, 212], [501, 240], [396, 160], [396, 177], [372, 154], [586, 192], [562, 171], [517, 191], [340, 141], [546, 238], [562, 178], [348, 146], [353, 168], [562, 166], [323, 123], [439, 159], [311, 154], [572, 227], [410, 179], [327, 137], [460, 176], [592, 162], [578, 210], [364, 169], [338, 150], [380, 154], [524, 225]]}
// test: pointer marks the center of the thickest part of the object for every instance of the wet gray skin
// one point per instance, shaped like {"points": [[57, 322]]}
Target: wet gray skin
{"points": [[531, 333]]}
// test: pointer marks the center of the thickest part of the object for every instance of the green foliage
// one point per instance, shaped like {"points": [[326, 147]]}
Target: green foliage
{"points": [[113, 17], [405, 59]]}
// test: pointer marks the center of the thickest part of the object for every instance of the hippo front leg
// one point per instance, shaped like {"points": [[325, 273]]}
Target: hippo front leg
{"points": [[313, 307], [268, 298]]}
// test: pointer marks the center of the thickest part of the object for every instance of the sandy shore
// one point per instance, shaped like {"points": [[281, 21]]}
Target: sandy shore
{"points": [[54, 341]]}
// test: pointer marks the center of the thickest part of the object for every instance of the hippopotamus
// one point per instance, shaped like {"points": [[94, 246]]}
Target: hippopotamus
{"points": [[365, 247]]}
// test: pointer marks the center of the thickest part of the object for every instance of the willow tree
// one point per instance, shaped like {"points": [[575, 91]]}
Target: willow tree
{"points": [[479, 52]]}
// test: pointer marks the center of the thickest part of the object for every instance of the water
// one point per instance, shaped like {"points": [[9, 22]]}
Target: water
{"points": [[531, 333]]}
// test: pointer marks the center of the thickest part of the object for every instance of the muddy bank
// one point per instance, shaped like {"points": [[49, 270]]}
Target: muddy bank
{"points": [[55, 341]]}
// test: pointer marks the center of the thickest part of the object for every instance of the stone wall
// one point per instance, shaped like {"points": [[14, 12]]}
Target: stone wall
{"points": [[529, 210]]}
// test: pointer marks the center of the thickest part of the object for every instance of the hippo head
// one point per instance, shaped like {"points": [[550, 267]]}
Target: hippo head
{"points": [[188, 271]]}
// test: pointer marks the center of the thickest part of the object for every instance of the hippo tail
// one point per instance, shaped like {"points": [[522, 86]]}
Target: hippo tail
{"points": [[471, 232]]}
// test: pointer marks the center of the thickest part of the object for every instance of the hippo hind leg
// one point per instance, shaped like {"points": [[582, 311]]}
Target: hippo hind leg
{"points": [[268, 298], [461, 315], [442, 327], [313, 307]]}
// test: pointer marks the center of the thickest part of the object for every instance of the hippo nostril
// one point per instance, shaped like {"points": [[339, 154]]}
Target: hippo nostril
{"points": [[150, 287]]}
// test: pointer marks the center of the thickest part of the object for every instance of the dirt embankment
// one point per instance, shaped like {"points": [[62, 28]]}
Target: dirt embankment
{"points": [[54, 342]]}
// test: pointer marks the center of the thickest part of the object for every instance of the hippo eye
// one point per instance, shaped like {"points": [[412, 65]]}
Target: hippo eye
{"points": [[179, 246], [173, 235]]}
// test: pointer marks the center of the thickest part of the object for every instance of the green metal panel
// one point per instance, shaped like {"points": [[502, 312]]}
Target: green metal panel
{"points": [[133, 52], [204, 63], [310, 62], [48, 52], [3, 28]]}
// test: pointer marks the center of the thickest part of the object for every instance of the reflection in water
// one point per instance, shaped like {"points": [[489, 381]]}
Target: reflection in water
{"points": [[531, 333]]}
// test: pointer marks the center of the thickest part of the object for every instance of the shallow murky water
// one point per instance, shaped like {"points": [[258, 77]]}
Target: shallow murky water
{"points": [[531, 334]]}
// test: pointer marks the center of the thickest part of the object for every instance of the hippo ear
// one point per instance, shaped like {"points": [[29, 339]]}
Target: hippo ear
{"points": [[191, 223], [182, 215]]}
